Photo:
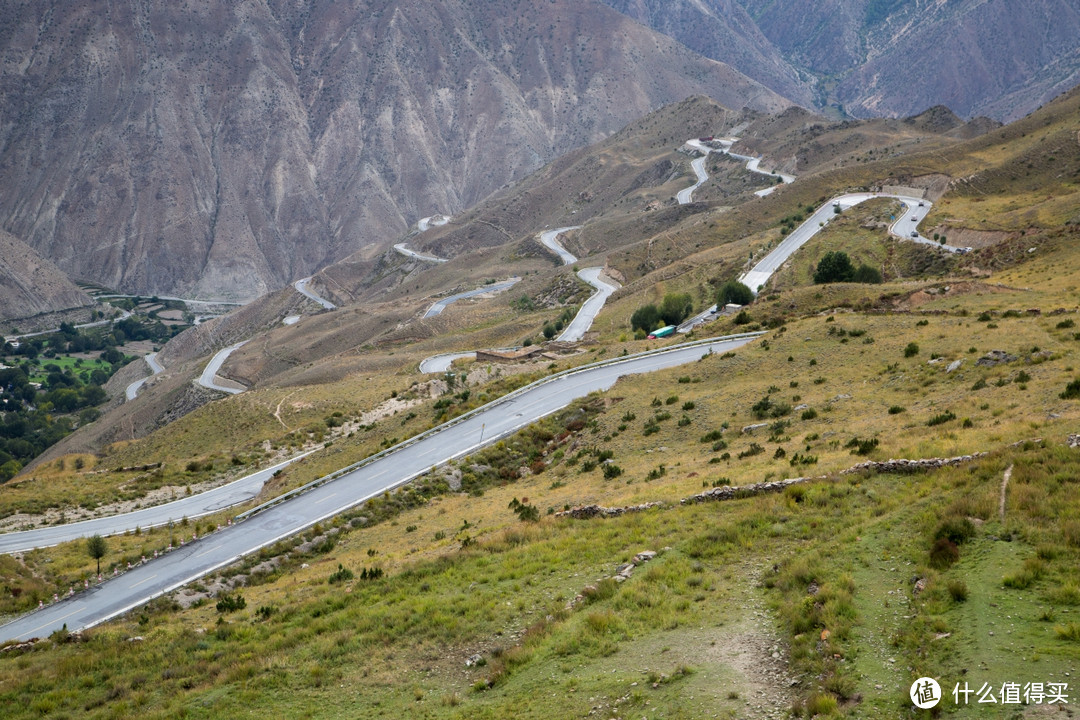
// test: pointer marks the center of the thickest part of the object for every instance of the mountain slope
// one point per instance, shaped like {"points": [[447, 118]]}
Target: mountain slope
{"points": [[220, 151], [898, 57], [31, 285]]}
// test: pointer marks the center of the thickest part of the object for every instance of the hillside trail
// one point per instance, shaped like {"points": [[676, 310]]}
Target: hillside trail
{"points": [[1004, 484]]}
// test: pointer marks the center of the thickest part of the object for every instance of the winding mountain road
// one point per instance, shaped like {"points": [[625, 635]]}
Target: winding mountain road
{"points": [[209, 373], [302, 288], [753, 164], [494, 288], [350, 487], [193, 506], [441, 363], [155, 369], [581, 323], [905, 227], [400, 247]]}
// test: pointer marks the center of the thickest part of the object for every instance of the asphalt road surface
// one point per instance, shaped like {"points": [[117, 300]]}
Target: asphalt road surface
{"points": [[591, 308], [551, 242], [192, 506], [302, 288], [915, 209], [155, 368], [211, 370], [400, 247], [441, 363], [397, 466], [753, 164], [441, 305], [424, 224]]}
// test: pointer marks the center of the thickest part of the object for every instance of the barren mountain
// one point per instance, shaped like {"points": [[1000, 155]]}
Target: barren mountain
{"points": [[891, 58], [220, 150], [998, 58], [31, 285]]}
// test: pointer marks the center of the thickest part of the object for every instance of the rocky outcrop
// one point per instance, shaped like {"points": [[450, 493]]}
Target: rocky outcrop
{"points": [[902, 466], [731, 492], [587, 512], [995, 357]]}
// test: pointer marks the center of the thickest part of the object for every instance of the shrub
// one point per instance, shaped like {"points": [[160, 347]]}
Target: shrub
{"points": [[754, 449], [866, 274], [342, 574], [1066, 324], [911, 350], [809, 414], [957, 530], [896, 409], [734, 292], [958, 590], [943, 553], [862, 447], [231, 603], [821, 704], [612, 471], [1070, 631], [834, 267], [941, 418], [743, 318], [1072, 391]]}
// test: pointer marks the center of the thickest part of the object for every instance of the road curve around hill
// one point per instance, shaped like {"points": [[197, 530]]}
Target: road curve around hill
{"points": [[400, 247], [193, 506], [442, 363], [302, 288], [214, 366], [753, 164], [905, 227], [385, 471], [550, 240], [439, 306], [581, 323], [155, 368]]}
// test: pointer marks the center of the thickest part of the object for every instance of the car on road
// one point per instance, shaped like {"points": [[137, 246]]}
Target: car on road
{"points": [[914, 233]]}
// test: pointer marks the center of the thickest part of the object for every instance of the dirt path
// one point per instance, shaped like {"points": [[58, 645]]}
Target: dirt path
{"points": [[1004, 485]]}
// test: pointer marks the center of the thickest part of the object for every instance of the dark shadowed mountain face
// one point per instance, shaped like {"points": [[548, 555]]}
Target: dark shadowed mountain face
{"points": [[221, 149], [895, 58]]}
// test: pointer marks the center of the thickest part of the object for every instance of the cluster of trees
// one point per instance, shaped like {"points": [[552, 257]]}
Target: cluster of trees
{"points": [[676, 307], [34, 416], [69, 339], [673, 309], [837, 267]]}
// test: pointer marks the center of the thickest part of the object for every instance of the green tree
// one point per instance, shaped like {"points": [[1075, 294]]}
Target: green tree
{"points": [[735, 292], [675, 308], [96, 547], [834, 267], [866, 274], [645, 318]]}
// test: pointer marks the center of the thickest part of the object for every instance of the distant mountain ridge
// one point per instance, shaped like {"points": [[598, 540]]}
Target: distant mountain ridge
{"points": [[893, 58], [220, 150]]}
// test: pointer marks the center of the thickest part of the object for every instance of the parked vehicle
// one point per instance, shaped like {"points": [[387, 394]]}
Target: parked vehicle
{"points": [[662, 332]]}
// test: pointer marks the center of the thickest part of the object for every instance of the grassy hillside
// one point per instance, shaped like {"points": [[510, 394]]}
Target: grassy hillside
{"points": [[828, 598]]}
